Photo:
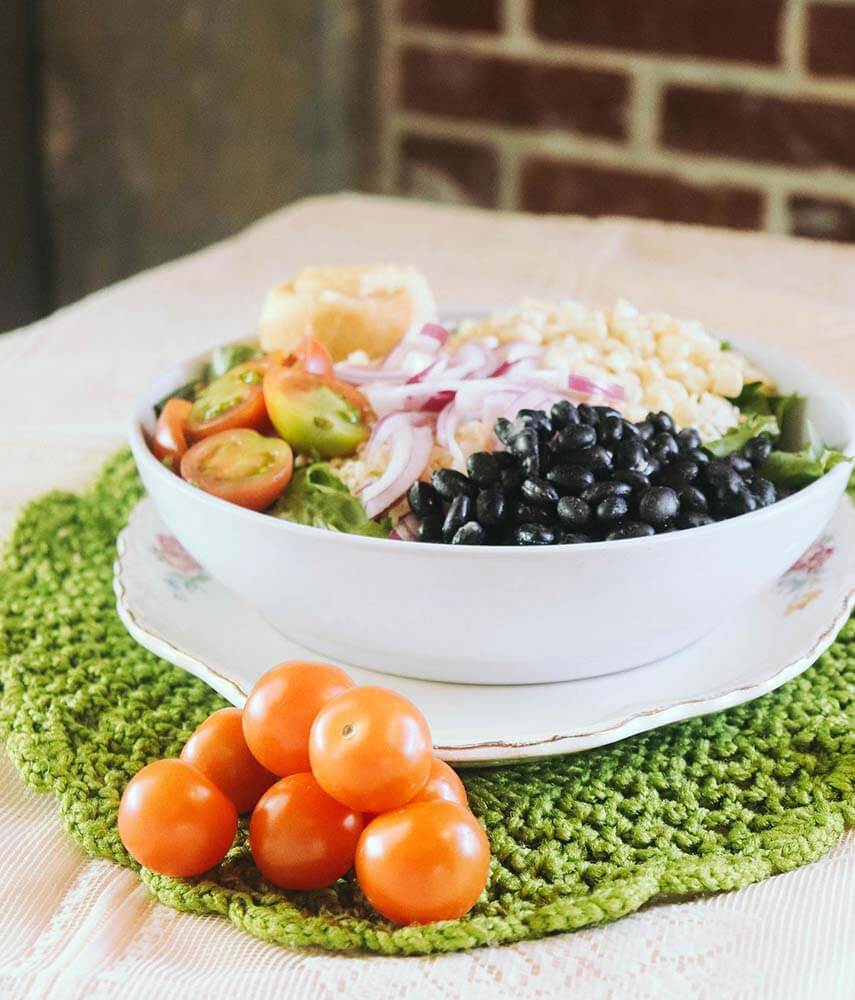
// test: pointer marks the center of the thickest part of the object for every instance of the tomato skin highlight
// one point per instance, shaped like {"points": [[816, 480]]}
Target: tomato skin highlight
{"points": [[242, 387], [175, 821], [300, 837], [214, 465], [428, 861], [370, 748], [218, 749], [313, 413], [443, 783], [281, 708]]}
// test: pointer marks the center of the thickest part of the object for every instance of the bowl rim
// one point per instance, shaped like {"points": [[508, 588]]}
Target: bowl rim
{"points": [[145, 458]]}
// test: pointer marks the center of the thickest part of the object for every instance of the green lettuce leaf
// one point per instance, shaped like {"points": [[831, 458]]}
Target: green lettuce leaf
{"points": [[317, 497], [754, 424], [793, 470]]}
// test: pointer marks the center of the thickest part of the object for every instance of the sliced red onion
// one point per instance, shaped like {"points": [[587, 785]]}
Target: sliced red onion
{"points": [[434, 404], [520, 349], [446, 429], [591, 387], [435, 330], [435, 368], [411, 448], [365, 374], [407, 529]]}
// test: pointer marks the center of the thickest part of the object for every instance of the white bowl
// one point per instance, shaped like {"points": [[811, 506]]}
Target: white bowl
{"points": [[498, 615]]}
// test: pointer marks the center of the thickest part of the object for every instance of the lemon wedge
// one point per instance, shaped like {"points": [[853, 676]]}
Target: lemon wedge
{"points": [[347, 308]]}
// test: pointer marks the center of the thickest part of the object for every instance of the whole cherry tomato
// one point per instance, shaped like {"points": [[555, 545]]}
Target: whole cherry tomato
{"points": [[281, 708], [174, 820], [170, 438], [300, 837], [370, 748], [240, 466], [442, 783], [218, 749], [425, 862]]}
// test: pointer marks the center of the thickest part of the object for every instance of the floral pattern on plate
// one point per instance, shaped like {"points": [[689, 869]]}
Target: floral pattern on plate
{"points": [[802, 582], [184, 575]]}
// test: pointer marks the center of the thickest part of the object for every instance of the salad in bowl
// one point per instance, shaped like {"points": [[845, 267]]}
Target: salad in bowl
{"points": [[584, 452]]}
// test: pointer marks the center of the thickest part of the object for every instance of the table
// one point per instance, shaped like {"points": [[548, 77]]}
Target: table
{"points": [[72, 927]]}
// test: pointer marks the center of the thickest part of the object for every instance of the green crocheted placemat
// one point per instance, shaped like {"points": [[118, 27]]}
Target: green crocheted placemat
{"points": [[711, 804]]}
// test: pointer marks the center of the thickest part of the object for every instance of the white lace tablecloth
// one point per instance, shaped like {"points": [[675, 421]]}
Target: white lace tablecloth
{"points": [[72, 927]]}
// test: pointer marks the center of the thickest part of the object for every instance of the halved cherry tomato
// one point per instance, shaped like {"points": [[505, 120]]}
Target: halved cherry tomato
{"points": [[425, 862], [313, 414], [175, 821], [370, 748], [218, 749], [312, 356], [240, 466], [169, 442], [281, 708], [233, 400], [300, 837], [443, 783]]}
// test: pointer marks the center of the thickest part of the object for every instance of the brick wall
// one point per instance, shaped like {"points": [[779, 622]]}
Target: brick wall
{"points": [[736, 113]]}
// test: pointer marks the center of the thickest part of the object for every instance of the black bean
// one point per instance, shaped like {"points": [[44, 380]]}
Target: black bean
{"points": [[588, 415], [679, 473], [599, 461], [504, 430], [424, 499], [529, 513], [764, 491], [491, 507], [758, 449], [449, 483], [631, 454], [599, 491], [570, 479], [533, 534], [653, 467], [630, 529], [573, 438], [688, 439], [470, 533], [742, 465], [430, 528], [693, 519], [630, 430], [574, 538], [692, 500], [700, 456], [666, 441], [540, 492], [563, 413], [646, 430], [504, 459], [611, 430], [637, 481], [662, 422], [483, 469], [606, 411], [739, 502], [612, 510], [662, 454], [658, 505], [459, 512], [574, 512], [536, 419], [723, 476], [511, 479], [526, 445]]}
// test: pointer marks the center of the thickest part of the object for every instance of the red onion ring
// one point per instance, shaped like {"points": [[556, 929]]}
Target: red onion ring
{"points": [[411, 450]]}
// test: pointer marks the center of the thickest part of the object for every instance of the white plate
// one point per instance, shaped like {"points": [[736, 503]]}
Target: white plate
{"points": [[173, 608]]}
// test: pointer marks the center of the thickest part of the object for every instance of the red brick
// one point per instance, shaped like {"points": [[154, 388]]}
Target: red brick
{"points": [[514, 92], [456, 15], [822, 219], [743, 30], [733, 123], [584, 189], [831, 40], [448, 170]]}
